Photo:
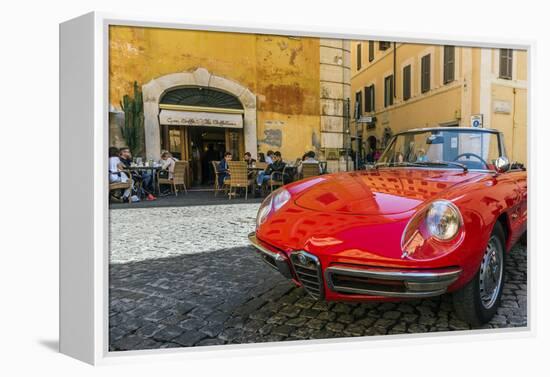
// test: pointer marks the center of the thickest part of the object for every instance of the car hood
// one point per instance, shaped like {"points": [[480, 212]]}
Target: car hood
{"points": [[382, 192]]}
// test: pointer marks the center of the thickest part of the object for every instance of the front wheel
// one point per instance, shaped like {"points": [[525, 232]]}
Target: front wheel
{"points": [[477, 302]]}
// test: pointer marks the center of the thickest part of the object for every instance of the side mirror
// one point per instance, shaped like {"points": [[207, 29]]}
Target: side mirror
{"points": [[502, 164]]}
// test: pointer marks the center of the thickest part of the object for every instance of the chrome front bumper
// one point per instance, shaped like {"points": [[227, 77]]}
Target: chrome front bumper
{"points": [[390, 282], [274, 260], [346, 280]]}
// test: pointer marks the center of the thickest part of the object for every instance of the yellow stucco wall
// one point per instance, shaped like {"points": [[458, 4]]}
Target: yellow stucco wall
{"points": [[283, 73], [475, 90]]}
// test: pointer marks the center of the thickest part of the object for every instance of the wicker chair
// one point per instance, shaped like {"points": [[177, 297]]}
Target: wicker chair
{"points": [[180, 171], [122, 185], [261, 165], [310, 169], [216, 167], [239, 177], [277, 179]]}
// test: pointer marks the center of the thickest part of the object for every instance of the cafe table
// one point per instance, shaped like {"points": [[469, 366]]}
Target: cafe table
{"points": [[153, 169]]}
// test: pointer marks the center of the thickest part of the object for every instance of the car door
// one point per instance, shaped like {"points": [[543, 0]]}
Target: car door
{"points": [[513, 187]]}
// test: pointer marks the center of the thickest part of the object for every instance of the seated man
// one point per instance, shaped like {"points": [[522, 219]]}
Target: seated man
{"points": [[309, 158], [249, 160], [276, 166], [224, 172], [145, 177]]}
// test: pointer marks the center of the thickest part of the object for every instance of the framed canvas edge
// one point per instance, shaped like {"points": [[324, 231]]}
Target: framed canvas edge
{"points": [[102, 355]]}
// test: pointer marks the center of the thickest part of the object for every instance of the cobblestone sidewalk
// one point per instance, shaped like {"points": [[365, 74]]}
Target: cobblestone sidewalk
{"points": [[229, 296], [151, 233]]}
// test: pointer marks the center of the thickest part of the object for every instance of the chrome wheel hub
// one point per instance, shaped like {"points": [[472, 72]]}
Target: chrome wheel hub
{"points": [[490, 274]]}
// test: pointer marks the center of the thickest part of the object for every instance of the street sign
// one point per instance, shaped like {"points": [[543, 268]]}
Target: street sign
{"points": [[366, 119], [476, 121]]}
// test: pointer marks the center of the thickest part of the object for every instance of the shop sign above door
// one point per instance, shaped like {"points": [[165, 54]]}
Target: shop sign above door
{"points": [[204, 119]]}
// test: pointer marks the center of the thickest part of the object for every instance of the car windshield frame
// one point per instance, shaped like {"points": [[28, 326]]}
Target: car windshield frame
{"points": [[441, 165]]}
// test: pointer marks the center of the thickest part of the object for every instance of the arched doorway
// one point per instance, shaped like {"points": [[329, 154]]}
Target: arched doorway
{"points": [[198, 92], [199, 125]]}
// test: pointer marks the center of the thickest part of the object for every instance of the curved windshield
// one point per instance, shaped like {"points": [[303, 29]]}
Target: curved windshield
{"points": [[457, 149]]}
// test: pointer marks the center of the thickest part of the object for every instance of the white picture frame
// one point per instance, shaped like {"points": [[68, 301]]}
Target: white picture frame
{"points": [[84, 249]]}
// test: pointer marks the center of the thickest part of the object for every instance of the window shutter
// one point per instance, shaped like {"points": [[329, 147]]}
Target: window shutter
{"points": [[358, 105], [425, 73], [448, 64], [373, 98], [388, 91], [367, 99], [371, 51], [359, 56], [406, 82], [506, 64]]}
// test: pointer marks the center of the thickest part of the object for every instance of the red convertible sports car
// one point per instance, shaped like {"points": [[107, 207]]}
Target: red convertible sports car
{"points": [[437, 214]]}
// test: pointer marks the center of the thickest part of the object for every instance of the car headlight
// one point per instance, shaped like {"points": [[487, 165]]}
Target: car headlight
{"points": [[443, 220], [272, 203], [265, 209], [280, 198]]}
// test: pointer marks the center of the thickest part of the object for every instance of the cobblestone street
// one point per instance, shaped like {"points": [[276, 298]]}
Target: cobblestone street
{"points": [[186, 277]]}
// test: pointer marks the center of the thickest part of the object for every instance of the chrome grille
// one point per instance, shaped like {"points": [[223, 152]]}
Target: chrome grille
{"points": [[308, 272]]}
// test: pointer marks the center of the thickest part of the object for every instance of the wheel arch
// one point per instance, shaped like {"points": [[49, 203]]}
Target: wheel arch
{"points": [[504, 220]]}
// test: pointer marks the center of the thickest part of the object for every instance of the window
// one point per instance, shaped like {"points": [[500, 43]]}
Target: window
{"points": [[505, 71], [388, 91], [448, 64], [406, 82], [425, 75], [369, 98], [383, 46], [358, 104], [359, 56], [371, 51]]}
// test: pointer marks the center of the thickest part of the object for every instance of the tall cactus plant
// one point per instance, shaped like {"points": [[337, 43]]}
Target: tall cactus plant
{"points": [[132, 130]]}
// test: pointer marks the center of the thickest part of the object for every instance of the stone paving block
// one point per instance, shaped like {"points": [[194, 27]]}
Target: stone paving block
{"points": [[167, 333], [189, 338]]}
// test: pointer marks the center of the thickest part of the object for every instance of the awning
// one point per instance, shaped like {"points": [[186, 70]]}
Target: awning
{"points": [[206, 119]]}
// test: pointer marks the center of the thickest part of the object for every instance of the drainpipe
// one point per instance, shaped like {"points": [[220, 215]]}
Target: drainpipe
{"points": [[394, 70]]}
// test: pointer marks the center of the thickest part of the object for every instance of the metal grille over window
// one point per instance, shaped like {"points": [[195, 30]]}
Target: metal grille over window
{"points": [[425, 73], [505, 63]]}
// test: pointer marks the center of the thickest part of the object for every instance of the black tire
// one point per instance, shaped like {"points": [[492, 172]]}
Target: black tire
{"points": [[467, 301]]}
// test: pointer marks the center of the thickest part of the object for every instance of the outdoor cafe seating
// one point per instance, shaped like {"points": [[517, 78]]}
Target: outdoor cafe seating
{"points": [[123, 186], [239, 178], [180, 172]]}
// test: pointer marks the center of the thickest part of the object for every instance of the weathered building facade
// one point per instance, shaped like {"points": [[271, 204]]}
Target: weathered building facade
{"points": [[242, 92], [399, 86]]}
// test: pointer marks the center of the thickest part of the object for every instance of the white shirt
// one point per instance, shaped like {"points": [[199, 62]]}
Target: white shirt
{"points": [[268, 159], [169, 165], [113, 170]]}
